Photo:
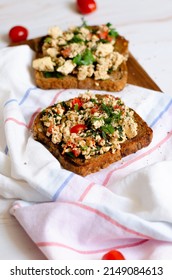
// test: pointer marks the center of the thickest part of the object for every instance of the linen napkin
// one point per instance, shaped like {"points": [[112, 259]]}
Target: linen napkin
{"points": [[126, 206]]}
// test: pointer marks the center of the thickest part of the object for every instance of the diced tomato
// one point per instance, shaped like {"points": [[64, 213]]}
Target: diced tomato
{"points": [[117, 107], [77, 128], [77, 103], [50, 128], [113, 255], [109, 38], [103, 34], [93, 110], [66, 52], [76, 152]]}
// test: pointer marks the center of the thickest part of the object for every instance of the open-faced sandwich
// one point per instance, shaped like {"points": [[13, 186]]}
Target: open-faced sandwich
{"points": [[90, 132], [84, 57]]}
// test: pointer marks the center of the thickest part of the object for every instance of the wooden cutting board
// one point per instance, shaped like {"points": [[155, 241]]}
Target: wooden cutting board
{"points": [[136, 74]]}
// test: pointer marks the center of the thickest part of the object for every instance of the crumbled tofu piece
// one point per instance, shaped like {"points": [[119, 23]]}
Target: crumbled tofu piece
{"points": [[86, 96], [130, 130], [98, 123], [85, 71], [55, 32], [93, 42], [104, 49], [60, 61], [52, 52], [43, 64], [84, 32], [61, 41], [54, 43], [67, 67], [59, 109], [104, 149], [105, 61], [101, 72], [72, 116], [101, 142], [88, 104], [117, 59], [94, 38], [66, 133], [68, 36], [56, 135], [76, 49], [130, 126]]}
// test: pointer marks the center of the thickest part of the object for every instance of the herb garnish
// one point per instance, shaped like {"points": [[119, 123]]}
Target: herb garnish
{"points": [[108, 129], [112, 31], [53, 74], [76, 39], [86, 58], [47, 40]]}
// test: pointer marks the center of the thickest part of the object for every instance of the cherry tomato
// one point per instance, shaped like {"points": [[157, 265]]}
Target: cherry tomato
{"points": [[86, 6], [77, 128], [77, 103], [18, 33], [113, 255]]}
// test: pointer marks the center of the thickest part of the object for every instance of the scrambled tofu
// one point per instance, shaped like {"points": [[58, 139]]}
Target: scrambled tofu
{"points": [[81, 51], [67, 67], [44, 64], [89, 125]]}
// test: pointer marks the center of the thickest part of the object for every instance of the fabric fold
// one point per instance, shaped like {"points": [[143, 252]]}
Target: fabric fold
{"points": [[126, 206]]}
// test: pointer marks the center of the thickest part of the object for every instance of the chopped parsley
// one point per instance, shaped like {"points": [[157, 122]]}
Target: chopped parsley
{"points": [[76, 39], [76, 107], [86, 58], [107, 109], [108, 24], [53, 74], [70, 154], [113, 33], [108, 129], [47, 40]]}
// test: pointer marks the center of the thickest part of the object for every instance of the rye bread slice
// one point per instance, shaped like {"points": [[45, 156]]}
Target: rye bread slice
{"points": [[84, 166], [116, 82]]}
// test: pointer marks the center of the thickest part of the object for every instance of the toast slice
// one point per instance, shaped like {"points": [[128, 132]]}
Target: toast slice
{"points": [[91, 132], [85, 57]]}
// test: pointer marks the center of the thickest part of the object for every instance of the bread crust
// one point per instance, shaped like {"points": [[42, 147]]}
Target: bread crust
{"points": [[84, 167], [115, 83]]}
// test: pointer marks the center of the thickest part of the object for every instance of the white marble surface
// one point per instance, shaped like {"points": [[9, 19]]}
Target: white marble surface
{"points": [[147, 24]]}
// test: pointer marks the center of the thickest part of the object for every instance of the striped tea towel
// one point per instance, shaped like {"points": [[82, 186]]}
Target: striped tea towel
{"points": [[126, 206]]}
